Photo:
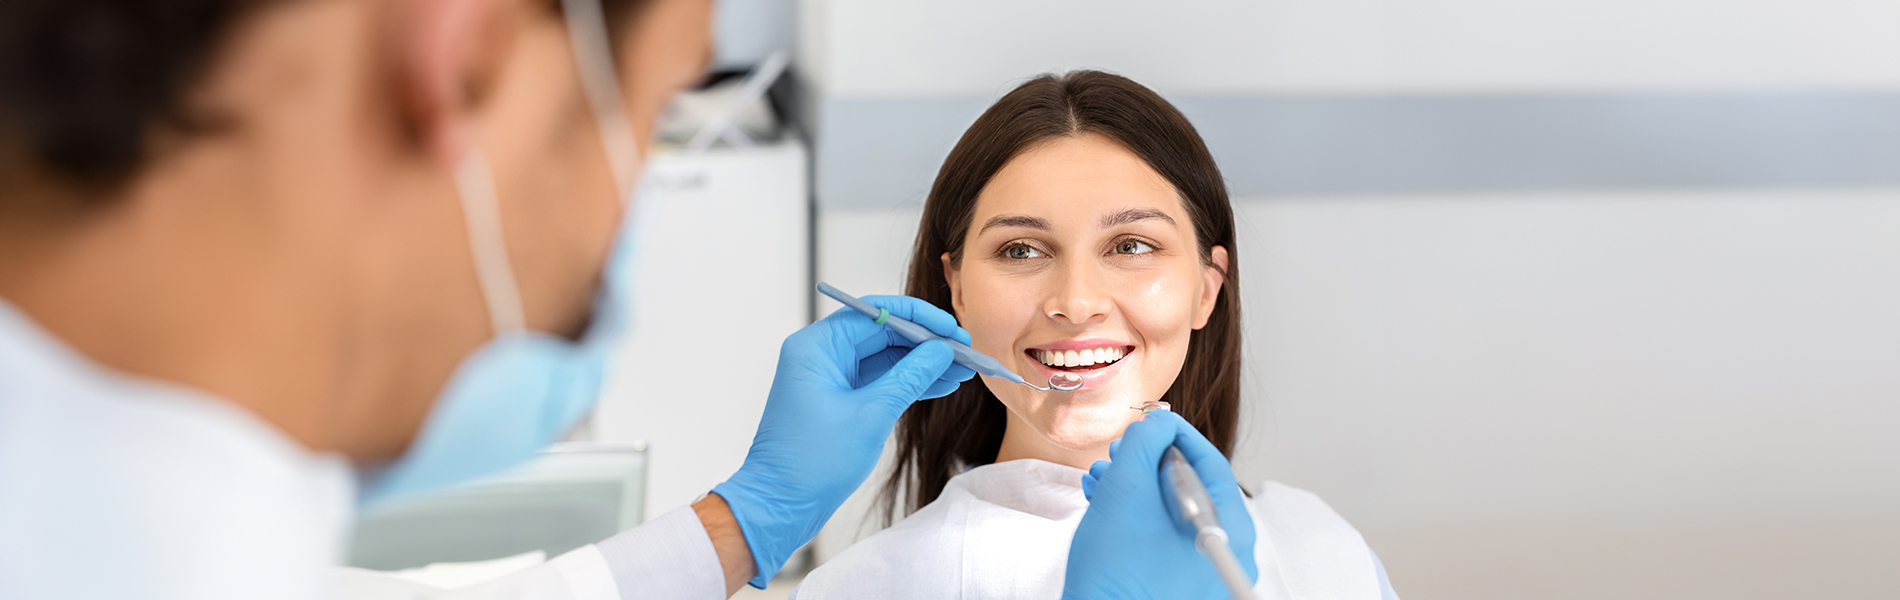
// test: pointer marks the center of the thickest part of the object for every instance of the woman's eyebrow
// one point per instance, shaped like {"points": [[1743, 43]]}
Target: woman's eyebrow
{"points": [[1134, 214], [1013, 221]]}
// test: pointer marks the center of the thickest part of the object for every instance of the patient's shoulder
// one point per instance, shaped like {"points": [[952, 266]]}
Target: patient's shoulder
{"points": [[1293, 513], [1294, 501]]}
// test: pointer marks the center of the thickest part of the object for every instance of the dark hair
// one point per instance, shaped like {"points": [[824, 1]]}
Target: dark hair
{"points": [[937, 439], [83, 83]]}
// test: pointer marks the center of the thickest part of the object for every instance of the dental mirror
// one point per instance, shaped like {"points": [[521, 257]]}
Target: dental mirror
{"points": [[1059, 382], [1065, 382]]}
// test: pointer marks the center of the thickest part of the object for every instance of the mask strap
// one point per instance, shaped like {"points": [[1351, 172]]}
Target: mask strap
{"points": [[481, 211], [593, 55]]}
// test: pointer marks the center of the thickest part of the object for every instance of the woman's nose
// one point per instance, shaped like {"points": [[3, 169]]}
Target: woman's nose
{"points": [[1078, 297]]}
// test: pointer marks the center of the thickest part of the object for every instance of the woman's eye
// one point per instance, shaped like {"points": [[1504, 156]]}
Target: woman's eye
{"points": [[1021, 252], [1133, 247]]}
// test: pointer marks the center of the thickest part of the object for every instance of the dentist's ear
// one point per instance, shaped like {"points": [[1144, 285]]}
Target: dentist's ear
{"points": [[1212, 278], [445, 56]]}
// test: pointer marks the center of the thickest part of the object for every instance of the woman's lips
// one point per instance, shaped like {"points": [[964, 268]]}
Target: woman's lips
{"points": [[1081, 344], [1093, 375]]}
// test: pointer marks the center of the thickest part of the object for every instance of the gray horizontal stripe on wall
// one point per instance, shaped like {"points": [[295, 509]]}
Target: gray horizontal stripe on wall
{"points": [[875, 153]]}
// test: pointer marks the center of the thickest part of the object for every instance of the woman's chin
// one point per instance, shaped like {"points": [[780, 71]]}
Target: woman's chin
{"points": [[1089, 428]]}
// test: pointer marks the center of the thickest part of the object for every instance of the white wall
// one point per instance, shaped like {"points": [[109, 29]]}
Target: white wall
{"points": [[1633, 352], [720, 231], [873, 48], [747, 31], [1586, 395]]}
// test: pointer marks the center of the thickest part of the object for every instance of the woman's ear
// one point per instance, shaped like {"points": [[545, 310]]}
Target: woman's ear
{"points": [[950, 277], [1212, 277]]}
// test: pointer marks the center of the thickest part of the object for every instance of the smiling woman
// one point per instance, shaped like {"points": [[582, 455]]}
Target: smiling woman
{"points": [[1079, 227], [1080, 217], [1086, 260]]}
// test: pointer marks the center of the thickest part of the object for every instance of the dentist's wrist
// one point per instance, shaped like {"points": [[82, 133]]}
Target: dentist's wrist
{"points": [[773, 525], [728, 541]]}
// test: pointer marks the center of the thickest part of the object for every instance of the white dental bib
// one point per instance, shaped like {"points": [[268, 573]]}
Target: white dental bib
{"points": [[1003, 531]]}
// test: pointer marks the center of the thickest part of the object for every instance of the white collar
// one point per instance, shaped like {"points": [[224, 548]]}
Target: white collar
{"points": [[1028, 485], [33, 356]]}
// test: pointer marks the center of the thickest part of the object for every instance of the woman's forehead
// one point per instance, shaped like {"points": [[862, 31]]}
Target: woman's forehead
{"points": [[1109, 220], [1086, 180]]}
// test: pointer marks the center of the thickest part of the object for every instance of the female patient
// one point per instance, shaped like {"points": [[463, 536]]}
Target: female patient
{"points": [[1081, 226]]}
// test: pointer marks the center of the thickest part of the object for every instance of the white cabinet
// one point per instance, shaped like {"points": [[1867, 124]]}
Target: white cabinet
{"points": [[722, 276]]}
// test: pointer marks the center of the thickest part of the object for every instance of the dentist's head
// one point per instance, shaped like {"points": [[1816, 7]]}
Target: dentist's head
{"points": [[260, 198]]}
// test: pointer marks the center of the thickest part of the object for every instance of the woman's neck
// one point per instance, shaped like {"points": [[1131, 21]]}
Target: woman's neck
{"points": [[1021, 440]]}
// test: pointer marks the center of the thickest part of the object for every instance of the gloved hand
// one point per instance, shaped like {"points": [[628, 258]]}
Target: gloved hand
{"points": [[1129, 545], [841, 384]]}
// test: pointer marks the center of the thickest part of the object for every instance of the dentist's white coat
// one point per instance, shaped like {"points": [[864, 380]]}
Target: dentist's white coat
{"points": [[113, 486]]}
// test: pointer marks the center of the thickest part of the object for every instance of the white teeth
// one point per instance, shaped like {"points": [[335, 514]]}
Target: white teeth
{"points": [[1079, 358]]}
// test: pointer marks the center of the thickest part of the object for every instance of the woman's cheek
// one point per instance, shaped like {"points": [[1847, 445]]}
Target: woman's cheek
{"points": [[994, 316], [1163, 315], [1163, 309]]}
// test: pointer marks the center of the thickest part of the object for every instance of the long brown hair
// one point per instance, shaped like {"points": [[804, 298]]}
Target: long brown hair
{"points": [[936, 439]]}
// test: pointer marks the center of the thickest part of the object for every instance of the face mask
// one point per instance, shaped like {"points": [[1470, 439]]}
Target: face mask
{"points": [[524, 389]]}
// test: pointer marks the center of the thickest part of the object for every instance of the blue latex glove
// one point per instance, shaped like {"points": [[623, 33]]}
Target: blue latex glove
{"points": [[841, 384], [1129, 545]]}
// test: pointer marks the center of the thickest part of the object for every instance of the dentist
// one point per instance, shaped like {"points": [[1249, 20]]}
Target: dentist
{"points": [[265, 261]]}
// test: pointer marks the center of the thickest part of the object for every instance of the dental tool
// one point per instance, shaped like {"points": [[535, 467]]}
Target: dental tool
{"points": [[965, 355], [1196, 507]]}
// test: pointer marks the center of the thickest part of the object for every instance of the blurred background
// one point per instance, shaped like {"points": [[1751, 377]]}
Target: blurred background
{"points": [[1550, 299]]}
